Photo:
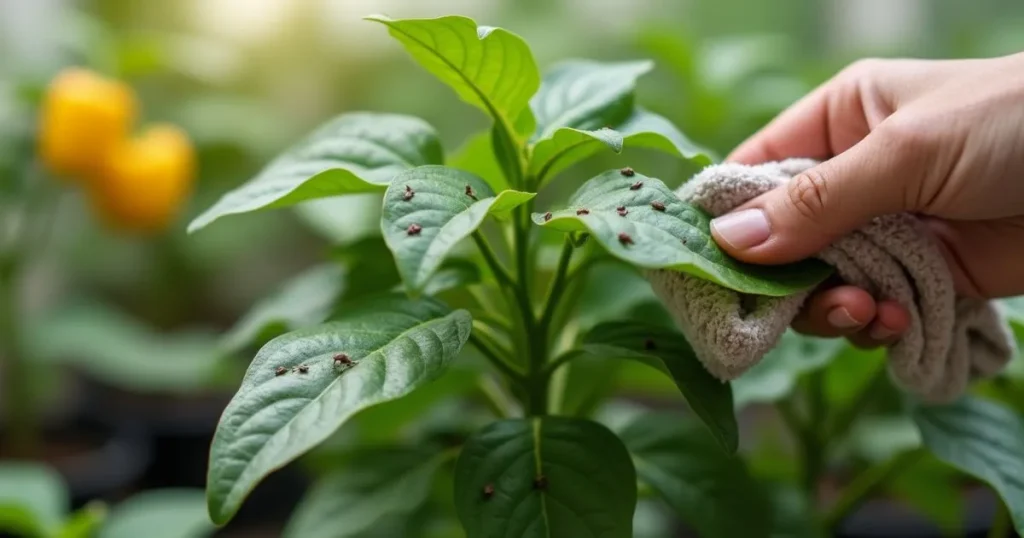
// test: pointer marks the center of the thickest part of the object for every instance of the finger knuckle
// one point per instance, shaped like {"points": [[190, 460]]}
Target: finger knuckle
{"points": [[865, 67], [808, 194]]}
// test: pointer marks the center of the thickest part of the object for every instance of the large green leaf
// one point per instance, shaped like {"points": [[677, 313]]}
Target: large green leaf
{"points": [[983, 439], [379, 485], [586, 95], [545, 477], [583, 105], [160, 513], [115, 348], [277, 415], [707, 488], [775, 376], [427, 210], [489, 68], [33, 499], [356, 152], [677, 237], [302, 301], [666, 349]]}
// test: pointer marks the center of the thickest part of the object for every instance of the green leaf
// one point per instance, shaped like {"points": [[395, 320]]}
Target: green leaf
{"points": [[982, 439], [583, 105], [396, 344], [677, 238], [111, 346], [304, 300], [586, 95], [667, 350], [357, 152], [933, 489], [160, 513], [551, 476], [706, 487], [380, 485], [33, 499], [427, 210], [775, 376], [489, 68]]}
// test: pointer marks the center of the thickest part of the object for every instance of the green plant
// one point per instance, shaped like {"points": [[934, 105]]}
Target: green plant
{"points": [[34, 504], [366, 367]]}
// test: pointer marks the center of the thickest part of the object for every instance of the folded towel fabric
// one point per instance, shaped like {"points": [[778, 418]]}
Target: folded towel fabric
{"points": [[950, 341]]}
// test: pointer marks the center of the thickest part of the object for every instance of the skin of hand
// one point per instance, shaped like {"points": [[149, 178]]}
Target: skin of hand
{"points": [[941, 139]]}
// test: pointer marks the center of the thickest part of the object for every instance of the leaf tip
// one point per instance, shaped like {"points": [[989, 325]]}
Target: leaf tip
{"points": [[377, 17]]}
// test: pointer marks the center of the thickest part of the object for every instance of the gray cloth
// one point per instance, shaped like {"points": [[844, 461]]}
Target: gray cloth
{"points": [[951, 339]]}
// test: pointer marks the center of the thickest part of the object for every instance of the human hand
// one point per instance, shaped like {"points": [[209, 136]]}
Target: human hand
{"points": [[940, 139]]}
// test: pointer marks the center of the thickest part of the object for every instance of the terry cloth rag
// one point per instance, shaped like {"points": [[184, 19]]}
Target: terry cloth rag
{"points": [[950, 341]]}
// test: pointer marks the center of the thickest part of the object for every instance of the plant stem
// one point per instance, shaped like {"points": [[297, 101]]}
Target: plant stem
{"points": [[866, 484], [17, 391], [814, 444], [487, 349], [557, 287], [844, 417]]}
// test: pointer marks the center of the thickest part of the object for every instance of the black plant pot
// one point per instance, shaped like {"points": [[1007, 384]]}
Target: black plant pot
{"points": [[98, 460], [181, 428], [886, 518]]}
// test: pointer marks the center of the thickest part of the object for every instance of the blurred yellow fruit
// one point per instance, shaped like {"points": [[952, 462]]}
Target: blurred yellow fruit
{"points": [[145, 181], [83, 116]]}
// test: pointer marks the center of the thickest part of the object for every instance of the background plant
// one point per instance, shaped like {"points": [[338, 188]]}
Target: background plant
{"points": [[537, 465]]}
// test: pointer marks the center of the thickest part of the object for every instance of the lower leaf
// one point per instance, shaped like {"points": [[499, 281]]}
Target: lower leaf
{"points": [[707, 488], [377, 487], [983, 439], [304, 385], [545, 477]]}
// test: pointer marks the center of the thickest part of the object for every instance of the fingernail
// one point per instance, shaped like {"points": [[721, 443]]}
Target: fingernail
{"points": [[742, 229], [840, 318], [878, 332]]}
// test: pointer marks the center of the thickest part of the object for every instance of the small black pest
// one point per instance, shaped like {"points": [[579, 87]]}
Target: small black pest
{"points": [[636, 186], [540, 483], [470, 193], [547, 216], [582, 211], [488, 491], [280, 370], [303, 369], [627, 171], [414, 229], [658, 206], [625, 239], [622, 210]]}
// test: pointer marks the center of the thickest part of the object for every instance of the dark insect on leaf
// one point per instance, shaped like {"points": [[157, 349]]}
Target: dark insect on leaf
{"points": [[622, 210], [582, 211], [636, 186], [303, 369], [280, 370], [627, 171], [414, 229], [408, 195], [540, 483], [658, 206], [342, 359], [547, 216], [408, 188], [488, 491], [469, 192], [649, 345], [625, 239]]}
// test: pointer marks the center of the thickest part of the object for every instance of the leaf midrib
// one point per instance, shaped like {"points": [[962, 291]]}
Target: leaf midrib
{"points": [[483, 98]]}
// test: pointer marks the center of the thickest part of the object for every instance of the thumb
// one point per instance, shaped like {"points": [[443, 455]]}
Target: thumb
{"points": [[817, 206]]}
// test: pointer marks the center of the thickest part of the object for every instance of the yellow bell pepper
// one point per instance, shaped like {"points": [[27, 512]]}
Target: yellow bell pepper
{"points": [[145, 181], [83, 116]]}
